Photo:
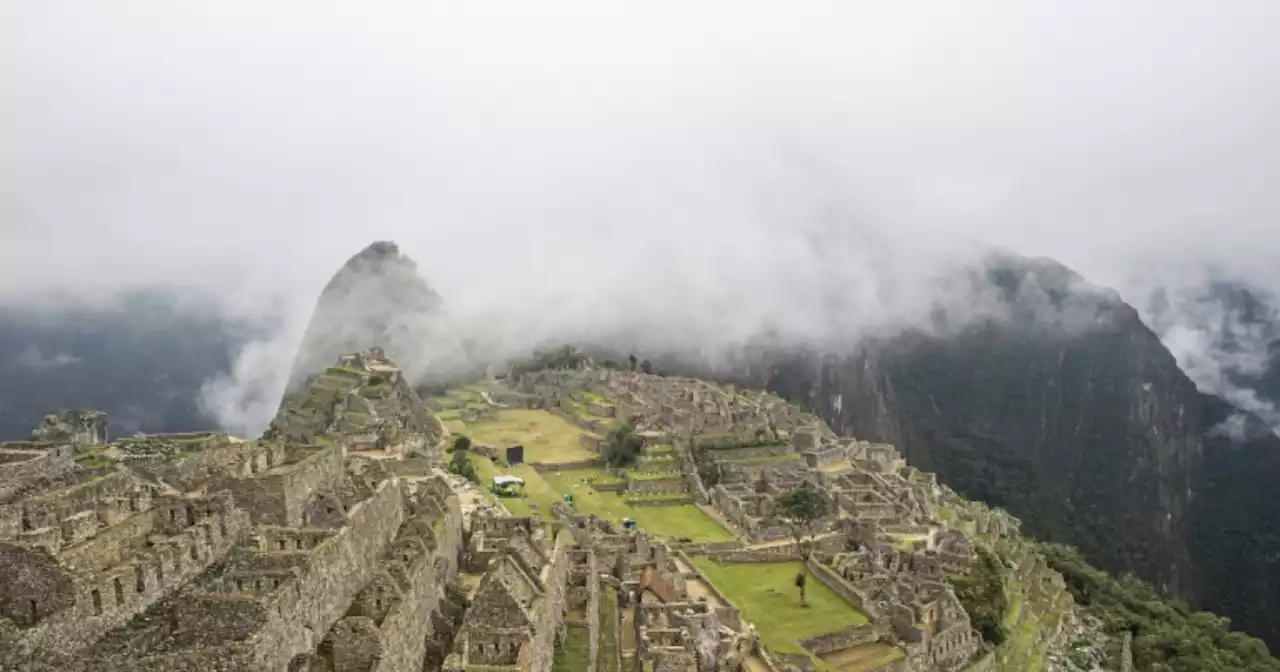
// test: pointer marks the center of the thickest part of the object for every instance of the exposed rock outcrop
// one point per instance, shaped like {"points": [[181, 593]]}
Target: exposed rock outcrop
{"points": [[77, 426]]}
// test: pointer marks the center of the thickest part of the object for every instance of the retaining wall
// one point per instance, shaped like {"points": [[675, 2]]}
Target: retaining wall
{"points": [[841, 639]]}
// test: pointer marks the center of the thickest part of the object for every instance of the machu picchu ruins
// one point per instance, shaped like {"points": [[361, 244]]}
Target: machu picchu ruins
{"points": [[341, 540]]}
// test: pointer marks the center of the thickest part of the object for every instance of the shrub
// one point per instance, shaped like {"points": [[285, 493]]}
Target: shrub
{"points": [[623, 446], [460, 464]]}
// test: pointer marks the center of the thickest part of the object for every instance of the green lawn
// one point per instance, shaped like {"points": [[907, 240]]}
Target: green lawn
{"points": [[607, 646], [536, 490], [546, 437], [767, 595], [685, 520], [575, 655], [672, 522]]}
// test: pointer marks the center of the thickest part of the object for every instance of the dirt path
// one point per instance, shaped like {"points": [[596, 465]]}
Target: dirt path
{"points": [[489, 400], [787, 542]]}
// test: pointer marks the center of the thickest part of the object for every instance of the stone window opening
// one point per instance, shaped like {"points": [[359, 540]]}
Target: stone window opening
{"points": [[133, 503], [280, 544], [194, 554], [191, 515], [119, 592], [173, 515], [222, 527], [240, 585], [26, 521], [97, 602], [139, 580], [299, 544], [35, 610]]}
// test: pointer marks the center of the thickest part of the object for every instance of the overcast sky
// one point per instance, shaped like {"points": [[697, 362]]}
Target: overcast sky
{"points": [[680, 156]]}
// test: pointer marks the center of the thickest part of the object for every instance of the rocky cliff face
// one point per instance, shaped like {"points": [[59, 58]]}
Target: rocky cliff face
{"points": [[377, 299], [1094, 437]]}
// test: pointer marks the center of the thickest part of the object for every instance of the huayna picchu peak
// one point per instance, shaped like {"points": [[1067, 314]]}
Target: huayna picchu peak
{"points": [[377, 299]]}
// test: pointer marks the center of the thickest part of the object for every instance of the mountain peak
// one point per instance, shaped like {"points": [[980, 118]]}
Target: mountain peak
{"points": [[376, 299]]}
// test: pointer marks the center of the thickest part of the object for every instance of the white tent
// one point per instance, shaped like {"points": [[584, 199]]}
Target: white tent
{"points": [[499, 481]]}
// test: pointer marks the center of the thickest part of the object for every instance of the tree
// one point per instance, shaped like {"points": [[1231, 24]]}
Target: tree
{"points": [[981, 592], [800, 509], [623, 446], [460, 464], [646, 366], [463, 442], [632, 358]]}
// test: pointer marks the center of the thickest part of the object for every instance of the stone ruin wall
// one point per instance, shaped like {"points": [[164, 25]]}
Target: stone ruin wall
{"points": [[847, 638], [280, 496], [20, 467], [537, 655], [406, 629], [109, 599], [338, 570], [297, 613]]}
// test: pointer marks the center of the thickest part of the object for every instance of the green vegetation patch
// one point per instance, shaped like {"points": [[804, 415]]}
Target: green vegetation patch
{"points": [[607, 647], [982, 594], [535, 491], [767, 595], [671, 522], [546, 437], [1167, 634], [575, 655]]}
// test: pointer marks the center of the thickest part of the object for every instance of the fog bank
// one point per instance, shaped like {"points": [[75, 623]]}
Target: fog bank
{"points": [[593, 167]]}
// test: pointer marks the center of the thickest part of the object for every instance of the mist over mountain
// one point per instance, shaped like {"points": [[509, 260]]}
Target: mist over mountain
{"points": [[376, 299], [1094, 437], [1226, 335]]}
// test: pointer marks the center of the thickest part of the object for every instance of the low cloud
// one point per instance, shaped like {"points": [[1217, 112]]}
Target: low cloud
{"points": [[1224, 335], [33, 358], [678, 177]]}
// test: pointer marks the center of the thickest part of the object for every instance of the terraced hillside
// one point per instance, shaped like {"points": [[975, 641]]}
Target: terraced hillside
{"points": [[712, 460]]}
